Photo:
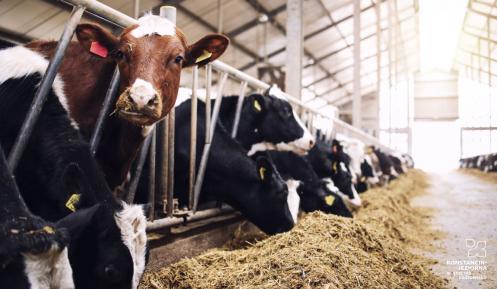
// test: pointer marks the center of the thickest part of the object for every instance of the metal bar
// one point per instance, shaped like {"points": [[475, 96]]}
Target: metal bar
{"points": [[162, 159], [176, 221], [294, 47], [239, 105], [207, 147], [152, 175], [220, 16], [130, 197], [208, 88], [170, 157], [378, 66], [357, 97], [104, 111], [45, 87], [193, 137]]}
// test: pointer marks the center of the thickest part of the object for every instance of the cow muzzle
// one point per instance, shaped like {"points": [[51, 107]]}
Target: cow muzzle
{"points": [[140, 104]]}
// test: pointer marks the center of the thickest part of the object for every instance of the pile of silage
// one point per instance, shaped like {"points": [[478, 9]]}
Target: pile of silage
{"points": [[488, 177], [322, 251]]}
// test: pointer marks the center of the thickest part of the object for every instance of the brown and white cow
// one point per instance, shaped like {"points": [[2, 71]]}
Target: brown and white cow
{"points": [[150, 57]]}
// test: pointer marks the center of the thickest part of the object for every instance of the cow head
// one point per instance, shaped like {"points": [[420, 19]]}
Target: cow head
{"points": [[108, 238], [317, 197], [150, 56], [278, 125], [274, 207], [107, 248]]}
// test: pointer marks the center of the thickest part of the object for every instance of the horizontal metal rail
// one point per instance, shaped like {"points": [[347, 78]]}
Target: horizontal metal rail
{"points": [[176, 221]]}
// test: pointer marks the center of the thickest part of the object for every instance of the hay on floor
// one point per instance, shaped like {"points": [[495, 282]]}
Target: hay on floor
{"points": [[322, 251], [490, 177]]}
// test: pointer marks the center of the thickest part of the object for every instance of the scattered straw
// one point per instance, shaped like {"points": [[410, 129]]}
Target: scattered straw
{"points": [[490, 177], [322, 251]]}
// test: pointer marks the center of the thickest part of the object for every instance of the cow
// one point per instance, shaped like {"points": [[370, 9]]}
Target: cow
{"points": [[255, 188], [33, 252], [314, 193], [267, 122], [334, 166], [150, 56], [386, 165], [58, 175], [368, 175]]}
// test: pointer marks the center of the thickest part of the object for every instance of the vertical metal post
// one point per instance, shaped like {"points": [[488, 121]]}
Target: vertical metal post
{"points": [[357, 100], [489, 69], [239, 105], [220, 16], [390, 51], [163, 167], [136, 9], [193, 137], [207, 147], [151, 176], [378, 65], [169, 13], [104, 111], [208, 88], [294, 48], [139, 168], [45, 87]]}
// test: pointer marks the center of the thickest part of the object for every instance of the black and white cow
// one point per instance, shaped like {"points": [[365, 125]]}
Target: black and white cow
{"points": [[255, 188], [314, 193], [33, 252], [58, 175], [386, 164], [334, 166], [267, 122]]}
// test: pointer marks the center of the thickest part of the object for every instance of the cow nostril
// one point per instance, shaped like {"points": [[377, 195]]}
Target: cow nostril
{"points": [[311, 142], [152, 101]]}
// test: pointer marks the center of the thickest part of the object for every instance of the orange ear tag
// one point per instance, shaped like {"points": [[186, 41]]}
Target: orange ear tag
{"points": [[97, 49]]}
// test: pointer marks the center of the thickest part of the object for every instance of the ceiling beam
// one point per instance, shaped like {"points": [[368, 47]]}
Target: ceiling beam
{"points": [[307, 37], [258, 7]]}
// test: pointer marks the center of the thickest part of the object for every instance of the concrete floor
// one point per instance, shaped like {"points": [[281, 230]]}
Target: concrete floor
{"points": [[465, 209]]}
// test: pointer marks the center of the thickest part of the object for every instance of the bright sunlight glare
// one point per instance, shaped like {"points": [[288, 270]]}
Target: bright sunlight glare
{"points": [[440, 23]]}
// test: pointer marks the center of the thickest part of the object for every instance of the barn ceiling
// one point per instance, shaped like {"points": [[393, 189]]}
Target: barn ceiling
{"points": [[328, 34]]}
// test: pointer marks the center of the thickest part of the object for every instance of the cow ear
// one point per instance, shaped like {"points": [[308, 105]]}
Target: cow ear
{"points": [[96, 39], [206, 50], [77, 222], [258, 103]]}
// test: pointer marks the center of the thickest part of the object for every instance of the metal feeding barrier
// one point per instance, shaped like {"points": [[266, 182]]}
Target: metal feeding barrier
{"points": [[161, 161]]}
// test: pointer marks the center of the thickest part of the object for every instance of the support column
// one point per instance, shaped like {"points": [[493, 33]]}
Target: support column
{"points": [[357, 100], [378, 65], [294, 48]]}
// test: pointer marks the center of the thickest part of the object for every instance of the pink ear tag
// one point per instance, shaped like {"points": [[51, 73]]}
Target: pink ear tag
{"points": [[97, 49]]}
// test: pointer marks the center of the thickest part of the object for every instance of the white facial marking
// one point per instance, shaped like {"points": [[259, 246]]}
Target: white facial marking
{"points": [[142, 92], [152, 24], [49, 270], [331, 186], [260, 147], [133, 224], [19, 61], [293, 199]]}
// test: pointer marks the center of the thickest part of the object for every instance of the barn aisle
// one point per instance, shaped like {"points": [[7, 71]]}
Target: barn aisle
{"points": [[465, 210]]}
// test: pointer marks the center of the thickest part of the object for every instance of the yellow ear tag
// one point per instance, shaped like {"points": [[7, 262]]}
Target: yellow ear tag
{"points": [[257, 105], [205, 55], [370, 151], [262, 171], [72, 202], [363, 179], [329, 200], [49, 230], [334, 168]]}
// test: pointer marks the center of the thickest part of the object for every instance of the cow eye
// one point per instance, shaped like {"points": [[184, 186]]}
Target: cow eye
{"points": [[178, 59], [111, 273], [119, 54]]}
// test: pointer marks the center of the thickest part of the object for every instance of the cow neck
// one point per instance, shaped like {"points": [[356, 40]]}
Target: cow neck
{"points": [[248, 133], [91, 76]]}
